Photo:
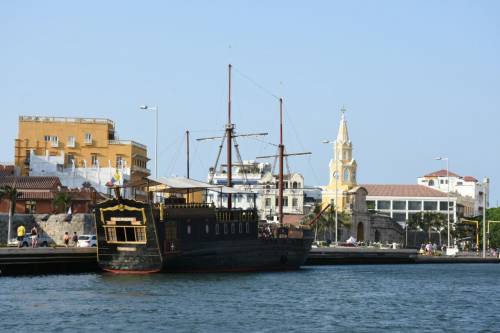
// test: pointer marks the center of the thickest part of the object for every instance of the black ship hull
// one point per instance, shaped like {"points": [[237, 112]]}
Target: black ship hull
{"points": [[135, 237]]}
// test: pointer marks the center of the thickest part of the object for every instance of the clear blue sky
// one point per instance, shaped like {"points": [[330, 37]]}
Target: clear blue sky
{"points": [[418, 78]]}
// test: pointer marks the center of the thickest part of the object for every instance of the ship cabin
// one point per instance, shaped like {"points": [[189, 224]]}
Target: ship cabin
{"points": [[180, 206]]}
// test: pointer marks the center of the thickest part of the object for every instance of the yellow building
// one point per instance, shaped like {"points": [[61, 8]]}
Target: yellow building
{"points": [[78, 150], [342, 170]]}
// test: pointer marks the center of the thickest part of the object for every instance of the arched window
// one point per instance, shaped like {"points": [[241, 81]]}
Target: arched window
{"points": [[346, 175], [431, 182], [295, 185]]}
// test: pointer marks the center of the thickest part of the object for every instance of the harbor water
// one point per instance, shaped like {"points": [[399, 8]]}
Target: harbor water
{"points": [[371, 298]]}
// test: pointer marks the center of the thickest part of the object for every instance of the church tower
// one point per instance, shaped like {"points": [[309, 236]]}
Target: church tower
{"points": [[342, 169]]}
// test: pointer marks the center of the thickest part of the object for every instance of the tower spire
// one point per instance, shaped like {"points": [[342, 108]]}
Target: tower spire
{"points": [[343, 134]]}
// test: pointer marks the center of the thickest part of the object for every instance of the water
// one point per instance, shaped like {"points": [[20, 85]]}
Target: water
{"points": [[385, 298]]}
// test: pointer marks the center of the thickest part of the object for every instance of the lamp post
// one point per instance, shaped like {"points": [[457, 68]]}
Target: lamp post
{"points": [[447, 194], [485, 201], [335, 175], [154, 108]]}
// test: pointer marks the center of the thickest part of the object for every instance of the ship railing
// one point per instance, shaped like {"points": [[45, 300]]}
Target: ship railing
{"points": [[188, 205], [235, 215]]}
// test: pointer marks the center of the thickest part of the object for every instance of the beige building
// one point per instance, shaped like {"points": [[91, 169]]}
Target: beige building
{"points": [[78, 150]]}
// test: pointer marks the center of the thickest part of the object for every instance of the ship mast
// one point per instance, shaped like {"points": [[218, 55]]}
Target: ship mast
{"points": [[229, 136], [281, 155], [281, 148]]}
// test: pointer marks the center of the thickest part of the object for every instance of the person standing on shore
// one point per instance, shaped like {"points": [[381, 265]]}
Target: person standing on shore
{"points": [[66, 239], [21, 232], [75, 239], [34, 237]]}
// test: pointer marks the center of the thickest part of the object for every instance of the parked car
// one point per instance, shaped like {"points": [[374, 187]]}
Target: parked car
{"points": [[43, 241], [87, 241]]}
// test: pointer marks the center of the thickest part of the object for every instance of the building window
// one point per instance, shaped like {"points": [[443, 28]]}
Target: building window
{"points": [[54, 141], [399, 205], [207, 229], [247, 227], [346, 175], [233, 228], [225, 228], [414, 205], [119, 161], [217, 229], [295, 185], [70, 162], [94, 160], [125, 234], [240, 228], [285, 201], [399, 217], [431, 182], [71, 141], [188, 230], [46, 138], [441, 181], [443, 205], [430, 205], [268, 202], [295, 202], [370, 204], [30, 207], [88, 138], [383, 204]]}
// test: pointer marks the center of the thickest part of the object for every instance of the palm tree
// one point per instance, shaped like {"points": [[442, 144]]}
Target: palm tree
{"points": [[62, 199], [11, 194]]}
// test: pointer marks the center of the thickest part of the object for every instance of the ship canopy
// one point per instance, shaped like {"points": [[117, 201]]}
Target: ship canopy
{"points": [[185, 185]]}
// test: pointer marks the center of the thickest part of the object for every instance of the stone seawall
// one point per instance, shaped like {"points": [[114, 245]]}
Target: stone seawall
{"points": [[53, 226]]}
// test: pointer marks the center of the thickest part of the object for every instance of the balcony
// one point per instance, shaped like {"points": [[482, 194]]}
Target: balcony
{"points": [[127, 142], [136, 168]]}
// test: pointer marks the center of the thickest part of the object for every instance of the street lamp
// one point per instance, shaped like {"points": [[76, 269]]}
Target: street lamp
{"points": [[154, 108], [335, 175], [447, 193], [485, 201]]}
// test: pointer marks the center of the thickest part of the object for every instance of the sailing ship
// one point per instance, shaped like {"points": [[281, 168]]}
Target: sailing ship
{"points": [[177, 230]]}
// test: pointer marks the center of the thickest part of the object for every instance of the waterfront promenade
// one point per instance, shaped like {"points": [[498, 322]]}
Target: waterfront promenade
{"points": [[369, 255], [15, 261], [44, 260]]}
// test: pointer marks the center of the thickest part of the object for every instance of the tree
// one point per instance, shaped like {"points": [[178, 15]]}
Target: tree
{"points": [[62, 199], [492, 214], [11, 194], [428, 222]]}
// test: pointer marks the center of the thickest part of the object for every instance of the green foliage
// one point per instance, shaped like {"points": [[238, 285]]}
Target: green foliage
{"points": [[62, 200], [493, 214], [11, 194], [428, 222]]}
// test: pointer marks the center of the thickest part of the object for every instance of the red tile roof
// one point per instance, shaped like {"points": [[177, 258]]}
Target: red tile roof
{"points": [[470, 179], [441, 173], [26, 182], [401, 191], [7, 170]]}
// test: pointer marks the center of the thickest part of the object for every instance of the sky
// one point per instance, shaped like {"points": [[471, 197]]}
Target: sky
{"points": [[418, 79]]}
